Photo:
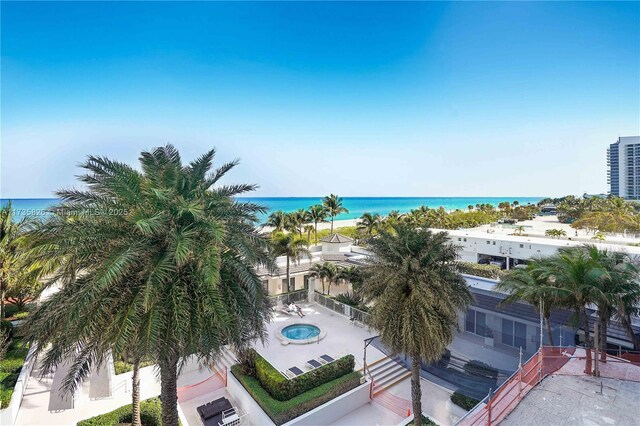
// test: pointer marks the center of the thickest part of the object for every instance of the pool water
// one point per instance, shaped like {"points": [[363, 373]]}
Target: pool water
{"points": [[300, 331]]}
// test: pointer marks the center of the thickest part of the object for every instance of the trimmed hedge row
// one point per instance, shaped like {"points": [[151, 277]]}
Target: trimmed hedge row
{"points": [[283, 389], [486, 271], [150, 414], [10, 367], [283, 411], [463, 401], [479, 368]]}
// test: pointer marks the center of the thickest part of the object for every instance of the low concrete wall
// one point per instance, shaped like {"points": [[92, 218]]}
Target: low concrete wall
{"points": [[8, 415], [255, 414], [410, 419], [338, 407]]}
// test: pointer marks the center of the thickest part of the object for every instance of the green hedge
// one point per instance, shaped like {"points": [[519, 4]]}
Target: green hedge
{"points": [[479, 368], [10, 368], [283, 411], [486, 271], [284, 389], [150, 414], [463, 401], [425, 421]]}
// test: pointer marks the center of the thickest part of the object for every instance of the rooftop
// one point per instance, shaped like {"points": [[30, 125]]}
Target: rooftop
{"points": [[336, 238]]}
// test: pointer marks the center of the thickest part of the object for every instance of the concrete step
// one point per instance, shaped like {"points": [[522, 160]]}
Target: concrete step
{"points": [[391, 372], [382, 368], [391, 381]]}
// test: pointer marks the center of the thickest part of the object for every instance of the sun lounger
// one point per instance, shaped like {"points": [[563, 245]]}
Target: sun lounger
{"points": [[326, 359], [211, 413], [312, 363], [293, 372]]}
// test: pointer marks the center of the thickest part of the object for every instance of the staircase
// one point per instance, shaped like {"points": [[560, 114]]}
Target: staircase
{"points": [[386, 372]]}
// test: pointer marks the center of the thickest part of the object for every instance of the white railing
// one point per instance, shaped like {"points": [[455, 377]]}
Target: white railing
{"points": [[356, 316], [291, 297]]}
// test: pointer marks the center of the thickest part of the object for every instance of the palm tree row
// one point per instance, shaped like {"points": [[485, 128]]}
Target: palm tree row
{"points": [[575, 278], [300, 221], [157, 263], [329, 273]]}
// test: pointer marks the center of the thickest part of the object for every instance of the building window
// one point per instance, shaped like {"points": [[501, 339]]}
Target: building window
{"points": [[459, 239], [306, 282], [291, 287], [488, 242], [494, 243], [465, 240], [476, 322], [521, 245], [514, 334]]}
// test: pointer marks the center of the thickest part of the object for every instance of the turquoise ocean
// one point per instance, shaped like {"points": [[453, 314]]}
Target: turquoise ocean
{"points": [[357, 206]]}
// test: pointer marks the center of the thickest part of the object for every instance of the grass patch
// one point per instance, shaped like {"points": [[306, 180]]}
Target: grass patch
{"points": [[10, 368], [150, 414], [463, 401], [283, 411]]}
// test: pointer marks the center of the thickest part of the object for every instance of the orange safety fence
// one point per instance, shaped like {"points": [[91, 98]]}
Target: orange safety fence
{"points": [[393, 403], [216, 381], [507, 396]]}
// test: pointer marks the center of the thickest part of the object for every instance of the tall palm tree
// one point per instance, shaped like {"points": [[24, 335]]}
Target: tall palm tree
{"points": [[532, 286], [368, 223], [169, 250], [350, 274], [616, 292], [334, 207], [278, 220], [317, 271], [297, 219], [330, 274], [576, 274], [308, 229], [11, 251], [291, 246], [317, 213], [417, 291]]}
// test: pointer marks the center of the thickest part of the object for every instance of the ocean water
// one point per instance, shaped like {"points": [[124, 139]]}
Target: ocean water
{"points": [[357, 206]]}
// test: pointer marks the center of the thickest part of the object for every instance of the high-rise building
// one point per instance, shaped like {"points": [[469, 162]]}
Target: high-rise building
{"points": [[623, 161]]}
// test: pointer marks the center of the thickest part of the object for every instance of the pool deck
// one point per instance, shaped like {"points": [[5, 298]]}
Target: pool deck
{"points": [[342, 338]]}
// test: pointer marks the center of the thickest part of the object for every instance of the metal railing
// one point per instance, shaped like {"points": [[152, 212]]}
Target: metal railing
{"points": [[292, 297], [357, 316]]}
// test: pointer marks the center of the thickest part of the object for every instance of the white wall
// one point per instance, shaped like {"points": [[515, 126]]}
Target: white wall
{"points": [[255, 414], [338, 407]]}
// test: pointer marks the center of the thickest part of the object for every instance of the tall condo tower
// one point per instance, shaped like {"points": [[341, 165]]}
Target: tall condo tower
{"points": [[623, 161]]}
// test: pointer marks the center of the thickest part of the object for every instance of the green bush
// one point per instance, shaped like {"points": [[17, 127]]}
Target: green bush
{"points": [[150, 414], [479, 368], [425, 421], [283, 411], [10, 368], [463, 401], [284, 389], [21, 315], [122, 367], [10, 310], [486, 271], [7, 328]]}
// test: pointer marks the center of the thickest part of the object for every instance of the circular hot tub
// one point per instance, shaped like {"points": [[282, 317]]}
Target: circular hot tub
{"points": [[300, 333]]}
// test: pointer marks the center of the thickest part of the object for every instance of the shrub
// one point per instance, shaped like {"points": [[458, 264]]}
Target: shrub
{"points": [[486, 271], [10, 368], [10, 310], [425, 421], [479, 368], [150, 414], [463, 401], [7, 328], [122, 367], [284, 389], [21, 315], [283, 411]]}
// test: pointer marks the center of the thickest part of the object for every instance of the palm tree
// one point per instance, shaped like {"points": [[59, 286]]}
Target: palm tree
{"points": [[317, 213], [278, 220], [334, 207], [417, 291], [368, 223], [170, 252], [297, 220], [291, 246], [317, 271], [532, 286], [350, 274], [330, 274], [11, 251], [308, 229], [575, 273]]}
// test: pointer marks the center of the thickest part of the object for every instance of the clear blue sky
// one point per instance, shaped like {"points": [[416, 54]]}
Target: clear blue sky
{"points": [[424, 99]]}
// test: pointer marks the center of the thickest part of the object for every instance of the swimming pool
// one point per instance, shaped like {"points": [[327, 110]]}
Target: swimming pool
{"points": [[300, 331]]}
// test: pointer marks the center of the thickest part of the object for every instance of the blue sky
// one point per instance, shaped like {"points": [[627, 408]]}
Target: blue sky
{"points": [[360, 99]]}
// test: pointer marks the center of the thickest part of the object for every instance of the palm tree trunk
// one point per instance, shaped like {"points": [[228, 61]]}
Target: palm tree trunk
{"points": [[416, 391], [169, 391], [2, 292], [323, 286], [549, 333], [587, 340], [603, 337], [316, 231], [331, 224], [288, 274], [329, 289], [135, 394]]}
